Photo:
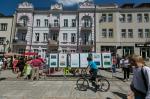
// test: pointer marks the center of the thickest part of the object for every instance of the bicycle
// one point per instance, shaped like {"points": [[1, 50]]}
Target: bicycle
{"points": [[101, 83]]}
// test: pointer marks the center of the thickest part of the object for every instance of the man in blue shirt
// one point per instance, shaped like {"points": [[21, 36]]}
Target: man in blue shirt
{"points": [[93, 69]]}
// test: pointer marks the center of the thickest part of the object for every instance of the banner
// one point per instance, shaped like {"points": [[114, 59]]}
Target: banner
{"points": [[53, 60], [107, 62], [83, 59], [97, 59], [62, 60], [74, 60]]}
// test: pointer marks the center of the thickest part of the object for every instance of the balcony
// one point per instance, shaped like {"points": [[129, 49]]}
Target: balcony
{"points": [[21, 26], [86, 28], [53, 43], [53, 27], [88, 44], [19, 42]]}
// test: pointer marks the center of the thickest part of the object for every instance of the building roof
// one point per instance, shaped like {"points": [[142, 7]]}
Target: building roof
{"points": [[127, 5], [143, 5]]}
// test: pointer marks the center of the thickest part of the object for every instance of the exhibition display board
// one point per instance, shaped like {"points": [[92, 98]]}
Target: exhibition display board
{"points": [[53, 60], [106, 60], [83, 59], [97, 59], [75, 60], [62, 60]]}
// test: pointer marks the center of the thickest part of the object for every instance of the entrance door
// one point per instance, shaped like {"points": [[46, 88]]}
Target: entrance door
{"points": [[144, 54]]}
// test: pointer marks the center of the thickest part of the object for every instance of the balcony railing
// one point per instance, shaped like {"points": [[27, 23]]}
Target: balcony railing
{"points": [[86, 28], [88, 44], [19, 42], [53, 27], [53, 43], [21, 26]]}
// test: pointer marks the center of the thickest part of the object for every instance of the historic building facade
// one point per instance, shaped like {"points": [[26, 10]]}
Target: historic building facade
{"points": [[90, 28], [6, 32], [123, 29]]}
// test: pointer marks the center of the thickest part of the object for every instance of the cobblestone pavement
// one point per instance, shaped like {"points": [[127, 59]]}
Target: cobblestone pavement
{"points": [[59, 88]]}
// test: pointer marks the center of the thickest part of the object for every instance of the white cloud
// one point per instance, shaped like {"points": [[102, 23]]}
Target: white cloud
{"points": [[70, 2]]}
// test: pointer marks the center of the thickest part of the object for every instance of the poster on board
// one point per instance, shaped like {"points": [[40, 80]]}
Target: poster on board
{"points": [[97, 59], [83, 59], [62, 60], [107, 62], [53, 60], [74, 60]]}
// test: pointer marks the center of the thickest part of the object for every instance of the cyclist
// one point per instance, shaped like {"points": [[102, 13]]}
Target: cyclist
{"points": [[93, 70]]}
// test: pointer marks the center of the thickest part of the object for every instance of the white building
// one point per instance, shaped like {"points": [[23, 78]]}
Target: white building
{"points": [[6, 32]]}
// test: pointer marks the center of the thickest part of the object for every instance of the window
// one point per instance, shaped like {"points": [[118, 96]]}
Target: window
{"points": [[129, 18], [123, 33], [23, 37], [56, 24], [147, 33], [45, 37], [110, 33], [123, 17], [73, 38], [54, 36], [139, 17], [65, 22], [104, 33], [24, 21], [130, 33], [38, 22], [36, 50], [46, 22], [73, 22], [21, 51], [110, 17], [2, 39], [37, 36], [73, 51], [64, 51], [3, 26], [87, 23], [146, 17], [140, 33], [104, 17], [65, 37]]}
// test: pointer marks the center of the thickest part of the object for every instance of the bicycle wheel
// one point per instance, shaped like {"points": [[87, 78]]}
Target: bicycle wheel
{"points": [[82, 84], [103, 84]]}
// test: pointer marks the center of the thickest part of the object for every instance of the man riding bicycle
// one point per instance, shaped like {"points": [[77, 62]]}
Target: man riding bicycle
{"points": [[93, 69]]}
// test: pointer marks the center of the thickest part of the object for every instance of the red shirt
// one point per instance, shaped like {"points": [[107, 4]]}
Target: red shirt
{"points": [[36, 63]]}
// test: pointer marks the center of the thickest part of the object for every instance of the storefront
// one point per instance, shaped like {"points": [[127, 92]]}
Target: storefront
{"points": [[144, 50], [127, 50]]}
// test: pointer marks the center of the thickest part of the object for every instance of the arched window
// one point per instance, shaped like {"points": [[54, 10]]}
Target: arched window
{"points": [[24, 20]]}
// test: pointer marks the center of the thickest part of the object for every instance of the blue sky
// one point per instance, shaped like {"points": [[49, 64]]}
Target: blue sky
{"points": [[7, 7]]}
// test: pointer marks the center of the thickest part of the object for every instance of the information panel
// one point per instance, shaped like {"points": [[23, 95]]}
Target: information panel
{"points": [[74, 60], [83, 59], [97, 59], [62, 60], [107, 62], [53, 60]]}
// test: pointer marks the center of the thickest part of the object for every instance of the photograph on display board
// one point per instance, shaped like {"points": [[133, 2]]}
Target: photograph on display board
{"points": [[74, 60], [83, 59], [62, 60], [53, 60], [97, 59], [106, 57]]}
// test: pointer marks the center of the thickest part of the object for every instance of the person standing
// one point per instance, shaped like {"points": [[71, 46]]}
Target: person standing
{"points": [[35, 63], [140, 84], [126, 69]]}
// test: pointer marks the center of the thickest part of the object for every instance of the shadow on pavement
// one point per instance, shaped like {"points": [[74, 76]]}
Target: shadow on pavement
{"points": [[2, 79], [121, 95]]}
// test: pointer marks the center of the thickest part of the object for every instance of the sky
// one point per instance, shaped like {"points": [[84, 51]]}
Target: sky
{"points": [[8, 7]]}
